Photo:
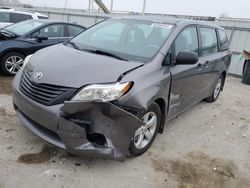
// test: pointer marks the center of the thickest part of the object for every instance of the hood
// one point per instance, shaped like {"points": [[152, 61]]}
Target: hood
{"points": [[65, 66]]}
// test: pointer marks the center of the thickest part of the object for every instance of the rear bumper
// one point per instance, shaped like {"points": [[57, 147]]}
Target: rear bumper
{"points": [[95, 129]]}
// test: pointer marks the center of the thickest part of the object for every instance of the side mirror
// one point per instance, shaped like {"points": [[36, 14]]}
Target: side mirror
{"points": [[41, 37], [186, 58]]}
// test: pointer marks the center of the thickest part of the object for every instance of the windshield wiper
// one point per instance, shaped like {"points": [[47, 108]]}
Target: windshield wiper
{"points": [[74, 45], [6, 32], [101, 52]]}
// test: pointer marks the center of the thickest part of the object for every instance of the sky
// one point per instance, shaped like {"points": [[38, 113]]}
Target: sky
{"points": [[233, 8]]}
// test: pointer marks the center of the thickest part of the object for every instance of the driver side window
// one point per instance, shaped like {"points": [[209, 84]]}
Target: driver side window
{"points": [[187, 41], [52, 31]]}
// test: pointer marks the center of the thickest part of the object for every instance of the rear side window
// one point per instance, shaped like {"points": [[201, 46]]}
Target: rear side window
{"points": [[187, 41], [209, 41], [15, 17], [223, 40], [4, 17], [42, 17], [74, 30]]}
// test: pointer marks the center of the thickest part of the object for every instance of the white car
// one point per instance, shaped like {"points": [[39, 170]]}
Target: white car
{"points": [[10, 16]]}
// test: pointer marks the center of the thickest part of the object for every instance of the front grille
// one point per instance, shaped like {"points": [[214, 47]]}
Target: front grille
{"points": [[46, 94]]}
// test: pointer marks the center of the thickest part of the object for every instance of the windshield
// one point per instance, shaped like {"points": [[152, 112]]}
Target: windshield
{"points": [[129, 39], [23, 27]]}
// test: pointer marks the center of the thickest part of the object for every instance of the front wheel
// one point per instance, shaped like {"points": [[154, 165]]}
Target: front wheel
{"points": [[145, 135], [12, 62]]}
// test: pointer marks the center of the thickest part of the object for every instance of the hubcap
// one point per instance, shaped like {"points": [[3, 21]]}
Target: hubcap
{"points": [[144, 134], [217, 88], [13, 64]]}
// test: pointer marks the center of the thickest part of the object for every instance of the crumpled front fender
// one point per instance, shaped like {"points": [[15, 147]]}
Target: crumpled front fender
{"points": [[80, 119]]}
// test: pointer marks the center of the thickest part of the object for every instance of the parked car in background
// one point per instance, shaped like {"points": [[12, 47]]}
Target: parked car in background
{"points": [[111, 89], [24, 38], [10, 16]]}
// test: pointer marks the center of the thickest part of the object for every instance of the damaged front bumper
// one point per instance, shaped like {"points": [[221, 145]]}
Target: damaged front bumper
{"points": [[96, 129]]}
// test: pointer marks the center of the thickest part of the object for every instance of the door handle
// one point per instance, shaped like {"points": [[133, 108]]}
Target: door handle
{"points": [[199, 66], [206, 64]]}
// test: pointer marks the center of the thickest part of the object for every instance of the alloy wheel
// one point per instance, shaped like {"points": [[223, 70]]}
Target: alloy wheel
{"points": [[13, 64], [217, 88], [144, 134]]}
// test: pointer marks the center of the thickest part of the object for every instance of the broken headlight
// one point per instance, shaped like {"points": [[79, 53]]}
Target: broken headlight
{"points": [[102, 92]]}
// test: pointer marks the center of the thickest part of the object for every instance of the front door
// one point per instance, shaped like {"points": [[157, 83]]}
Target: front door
{"points": [[55, 34], [185, 80]]}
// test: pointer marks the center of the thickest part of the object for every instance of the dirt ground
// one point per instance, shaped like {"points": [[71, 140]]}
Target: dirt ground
{"points": [[207, 146]]}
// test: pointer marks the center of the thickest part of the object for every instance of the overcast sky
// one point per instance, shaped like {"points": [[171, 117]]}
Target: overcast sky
{"points": [[233, 8]]}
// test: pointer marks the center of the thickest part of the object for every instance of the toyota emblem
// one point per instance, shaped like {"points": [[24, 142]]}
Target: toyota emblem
{"points": [[38, 75]]}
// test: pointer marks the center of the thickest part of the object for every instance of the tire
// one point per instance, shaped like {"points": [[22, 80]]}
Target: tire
{"points": [[136, 147], [11, 63], [216, 91]]}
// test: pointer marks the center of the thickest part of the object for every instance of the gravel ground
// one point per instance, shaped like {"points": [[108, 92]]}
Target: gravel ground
{"points": [[207, 146]]}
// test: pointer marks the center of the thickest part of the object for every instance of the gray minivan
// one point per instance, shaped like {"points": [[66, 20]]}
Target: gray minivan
{"points": [[111, 89]]}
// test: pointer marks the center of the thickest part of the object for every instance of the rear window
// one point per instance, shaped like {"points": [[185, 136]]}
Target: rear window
{"points": [[209, 41], [4, 17], [16, 17], [223, 40]]}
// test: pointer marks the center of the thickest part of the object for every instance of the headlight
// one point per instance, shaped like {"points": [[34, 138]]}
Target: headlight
{"points": [[103, 92], [26, 60]]}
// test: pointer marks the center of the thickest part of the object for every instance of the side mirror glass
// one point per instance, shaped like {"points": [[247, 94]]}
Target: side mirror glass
{"points": [[41, 37], [186, 58]]}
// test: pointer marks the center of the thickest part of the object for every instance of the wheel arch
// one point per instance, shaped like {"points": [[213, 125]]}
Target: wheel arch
{"points": [[224, 74], [162, 104], [11, 51], [4, 57]]}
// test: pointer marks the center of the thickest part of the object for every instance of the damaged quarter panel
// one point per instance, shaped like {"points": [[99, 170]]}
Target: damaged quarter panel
{"points": [[151, 82]]}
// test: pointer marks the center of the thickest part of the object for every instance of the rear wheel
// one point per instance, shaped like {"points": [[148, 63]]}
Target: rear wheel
{"points": [[216, 91], [12, 62], [145, 135]]}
